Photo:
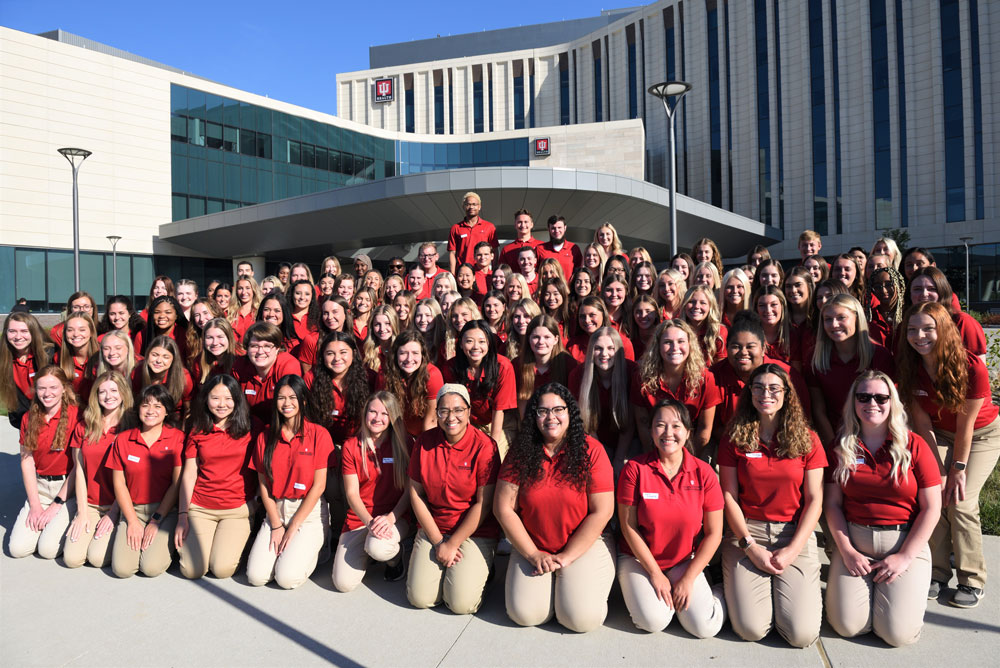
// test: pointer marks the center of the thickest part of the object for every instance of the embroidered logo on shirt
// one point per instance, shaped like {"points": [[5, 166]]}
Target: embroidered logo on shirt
{"points": [[467, 466]]}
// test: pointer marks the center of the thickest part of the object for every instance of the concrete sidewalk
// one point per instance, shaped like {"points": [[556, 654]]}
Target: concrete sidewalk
{"points": [[53, 616]]}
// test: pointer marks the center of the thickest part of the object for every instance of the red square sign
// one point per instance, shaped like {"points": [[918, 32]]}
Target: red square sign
{"points": [[384, 90], [542, 146]]}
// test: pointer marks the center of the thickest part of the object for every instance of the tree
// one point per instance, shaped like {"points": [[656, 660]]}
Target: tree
{"points": [[901, 236]]}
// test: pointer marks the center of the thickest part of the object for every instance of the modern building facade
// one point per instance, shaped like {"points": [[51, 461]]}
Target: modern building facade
{"points": [[849, 117]]}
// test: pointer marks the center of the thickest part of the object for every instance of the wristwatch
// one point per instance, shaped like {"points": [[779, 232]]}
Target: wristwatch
{"points": [[58, 500], [155, 517], [958, 466], [746, 542]]}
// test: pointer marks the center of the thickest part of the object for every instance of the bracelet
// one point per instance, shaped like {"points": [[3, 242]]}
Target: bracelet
{"points": [[182, 512], [280, 526]]}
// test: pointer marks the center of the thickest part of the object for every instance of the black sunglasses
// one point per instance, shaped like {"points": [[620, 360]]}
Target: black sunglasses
{"points": [[866, 397]]}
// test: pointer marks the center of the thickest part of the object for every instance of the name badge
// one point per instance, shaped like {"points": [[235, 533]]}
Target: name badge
{"points": [[133, 458], [651, 495], [754, 455], [920, 393], [859, 461], [387, 460], [462, 236], [250, 392], [298, 485], [31, 375], [334, 412]]}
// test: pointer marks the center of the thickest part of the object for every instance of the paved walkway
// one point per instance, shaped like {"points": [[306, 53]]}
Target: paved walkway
{"points": [[52, 616]]}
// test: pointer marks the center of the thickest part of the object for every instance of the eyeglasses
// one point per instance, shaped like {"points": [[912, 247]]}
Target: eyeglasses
{"points": [[444, 413], [397, 266], [770, 390], [425, 256], [557, 411], [866, 397], [262, 347]]}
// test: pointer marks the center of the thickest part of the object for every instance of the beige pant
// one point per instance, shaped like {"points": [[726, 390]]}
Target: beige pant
{"points": [[857, 605], [791, 601], [706, 610], [508, 433], [155, 559], [577, 595], [297, 562], [215, 541], [355, 549], [461, 586], [87, 549], [959, 531], [49, 541]]}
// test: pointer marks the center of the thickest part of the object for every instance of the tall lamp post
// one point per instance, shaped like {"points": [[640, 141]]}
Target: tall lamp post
{"points": [[114, 239], [71, 154], [968, 293], [665, 91]]}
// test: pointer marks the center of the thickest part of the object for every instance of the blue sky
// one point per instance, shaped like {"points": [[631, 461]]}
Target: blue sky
{"points": [[292, 50]]}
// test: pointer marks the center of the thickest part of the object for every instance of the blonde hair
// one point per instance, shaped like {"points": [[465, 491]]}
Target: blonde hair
{"points": [[716, 278], [895, 257], [740, 276], [862, 344], [397, 431], [450, 334], [846, 448], [473, 195], [514, 340], [616, 242], [713, 321], [680, 287], [102, 365], [93, 414], [66, 355], [370, 354], [651, 362], [233, 311]]}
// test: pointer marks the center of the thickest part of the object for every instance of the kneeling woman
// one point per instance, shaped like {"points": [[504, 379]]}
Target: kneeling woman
{"points": [[771, 469], [213, 520], [374, 466], [145, 465], [553, 500], [291, 459], [453, 471], [882, 501], [667, 500]]}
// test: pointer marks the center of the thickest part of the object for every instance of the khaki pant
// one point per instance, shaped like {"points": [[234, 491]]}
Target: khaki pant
{"points": [[857, 605], [790, 602], [461, 586], [959, 531], [706, 608], [297, 562], [355, 549], [215, 541], [155, 559], [577, 595], [49, 541], [87, 549], [508, 433]]}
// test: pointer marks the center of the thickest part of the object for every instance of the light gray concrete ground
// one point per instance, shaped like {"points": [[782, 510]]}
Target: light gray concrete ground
{"points": [[53, 616]]}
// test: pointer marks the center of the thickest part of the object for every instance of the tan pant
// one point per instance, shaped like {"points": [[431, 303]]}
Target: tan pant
{"points": [[461, 586], [297, 562], [959, 531], [577, 595], [857, 605], [356, 548], [87, 549], [155, 559], [790, 602], [706, 610], [508, 433], [215, 541], [49, 541]]}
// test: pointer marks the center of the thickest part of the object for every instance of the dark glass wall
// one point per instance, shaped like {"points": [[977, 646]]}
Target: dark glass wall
{"points": [[763, 110], [977, 107], [882, 166], [954, 133], [904, 190], [817, 80], [714, 103]]}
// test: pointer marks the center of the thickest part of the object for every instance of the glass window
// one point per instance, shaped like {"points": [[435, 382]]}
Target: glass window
{"points": [[60, 278], [179, 207], [142, 279], [213, 205], [196, 131], [322, 158], [29, 268], [308, 156], [196, 176], [196, 206], [92, 275], [178, 128], [248, 142], [213, 133], [124, 284], [213, 105], [214, 180], [178, 99], [196, 103], [231, 139], [492, 152]]}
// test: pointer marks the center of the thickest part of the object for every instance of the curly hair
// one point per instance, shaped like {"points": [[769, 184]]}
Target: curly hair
{"points": [[410, 390], [527, 451], [36, 414], [354, 383], [951, 364], [651, 362], [793, 435], [895, 306]]}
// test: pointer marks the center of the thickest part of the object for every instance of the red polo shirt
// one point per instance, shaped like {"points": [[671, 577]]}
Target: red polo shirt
{"points": [[180, 340], [24, 375], [542, 378], [705, 397], [670, 512], [301, 325], [56, 333], [100, 489], [879, 330], [48, 461], [872, 498], [720, 345], [415, 423], [376, 479], [148, 469], [551, 508], [973, 337], [222, 462], [511, 251], [483, 285], [293, 463], [305, 350], [243, 323], [978, 388], [463, 239], [836, 383], [577, 347], [259, 392], [607, 430], [569, 255], [803, 343], [501, 397], [770, 485], [731, 386], [451, 475]]}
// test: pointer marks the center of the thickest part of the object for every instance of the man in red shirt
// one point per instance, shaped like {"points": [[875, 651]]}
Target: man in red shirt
{"points": [[527, 261], [566, 252], [466, 233], [427, 258], [523, 224], [483, 267]]}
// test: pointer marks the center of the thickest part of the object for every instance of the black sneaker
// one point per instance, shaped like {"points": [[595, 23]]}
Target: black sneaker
{"points": [[966, 596], [934, 590], [395, 572]]}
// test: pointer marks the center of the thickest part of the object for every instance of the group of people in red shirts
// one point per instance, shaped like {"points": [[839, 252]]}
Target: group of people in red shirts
{"points": [[683, 430]]}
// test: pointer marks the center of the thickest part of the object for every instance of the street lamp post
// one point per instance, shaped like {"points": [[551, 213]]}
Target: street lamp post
{"points": [[968, 293], [71, 154], [114, 239], [665, 91]]}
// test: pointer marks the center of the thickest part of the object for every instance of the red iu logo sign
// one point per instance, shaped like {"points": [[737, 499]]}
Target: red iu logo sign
{"points": [[384, 90], [542, 146]]}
